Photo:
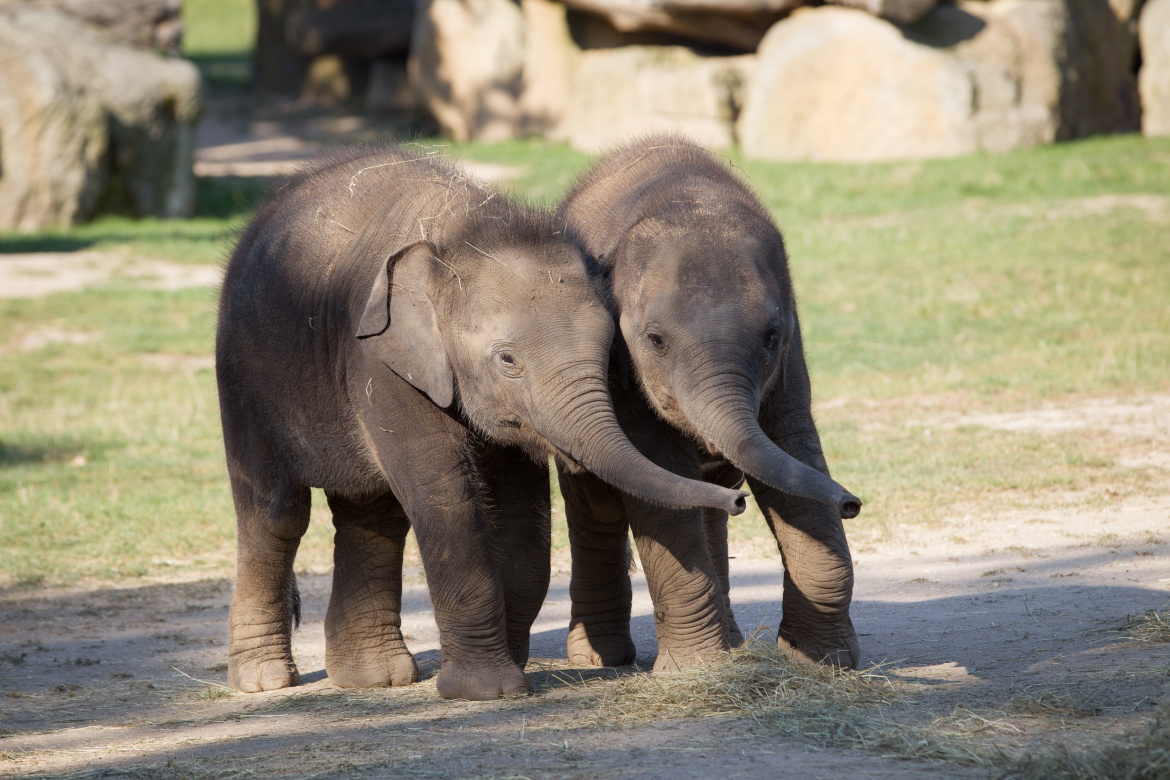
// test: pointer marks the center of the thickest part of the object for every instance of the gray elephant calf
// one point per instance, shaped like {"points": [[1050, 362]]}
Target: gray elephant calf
{"points": [[395, 334], [708, 320]]}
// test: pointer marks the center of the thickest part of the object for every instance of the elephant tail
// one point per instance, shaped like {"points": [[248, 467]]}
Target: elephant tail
{"points": [[294, 598]]}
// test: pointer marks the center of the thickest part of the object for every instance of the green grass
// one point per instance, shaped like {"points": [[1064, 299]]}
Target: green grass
{"points": [[222, 208], [218, 35], [984, 282]]}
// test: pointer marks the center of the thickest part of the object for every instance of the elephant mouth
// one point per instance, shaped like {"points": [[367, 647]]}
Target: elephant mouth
{"points": [[567, 461], [707, 447]]}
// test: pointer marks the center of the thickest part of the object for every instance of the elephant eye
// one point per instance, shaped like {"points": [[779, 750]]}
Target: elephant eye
{"points": [[656, 341], [772, 338], [508, 363]]}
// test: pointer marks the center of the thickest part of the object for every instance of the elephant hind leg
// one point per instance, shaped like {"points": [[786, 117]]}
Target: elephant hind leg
{"points": [[518, 490], [272, 513], [364, 646]]}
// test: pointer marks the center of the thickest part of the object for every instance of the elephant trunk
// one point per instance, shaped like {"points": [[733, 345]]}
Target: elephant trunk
{"points": [[584, 427], [726, 418]]}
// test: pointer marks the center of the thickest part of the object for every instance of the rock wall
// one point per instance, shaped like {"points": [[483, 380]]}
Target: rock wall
{"points": [[883, 79]]}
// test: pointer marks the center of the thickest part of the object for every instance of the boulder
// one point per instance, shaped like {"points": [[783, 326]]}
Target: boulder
{"points": [[838, 84], [277, 67], [362, 29], [86, 122], [619, 94], [1154, 77], [467, 66], [143, 24], [53, 138], [1073, 60], [550, 61], [897, 11], [324, 49], [738, 24]]}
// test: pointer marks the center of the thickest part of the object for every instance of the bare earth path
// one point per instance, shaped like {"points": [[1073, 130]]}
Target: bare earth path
{"points": [[1022, 613]]}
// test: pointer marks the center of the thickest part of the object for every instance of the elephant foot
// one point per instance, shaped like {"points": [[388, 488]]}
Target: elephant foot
{"points": [[587, 647], [838, 649], [480, 683], [380, 670], [679, 659], [734, 635], [253, 676], [519, 651]]}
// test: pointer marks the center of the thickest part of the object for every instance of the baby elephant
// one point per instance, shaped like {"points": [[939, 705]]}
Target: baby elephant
{"points": [[390, 331], [709, 328]]}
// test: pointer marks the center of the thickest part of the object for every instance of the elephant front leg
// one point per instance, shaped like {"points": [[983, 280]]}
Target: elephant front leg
{"points": [[818, 578], [688, 604], [599, 627], [715, 534], [518, 490], [428, 458], [271, 518], [364, 647]]}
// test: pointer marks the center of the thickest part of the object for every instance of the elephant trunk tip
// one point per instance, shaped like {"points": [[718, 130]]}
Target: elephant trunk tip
{"points": [[849, 506], [739, 504]]}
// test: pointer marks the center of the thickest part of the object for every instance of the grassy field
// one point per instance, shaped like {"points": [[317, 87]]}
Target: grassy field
{"points": [[985, 283]]}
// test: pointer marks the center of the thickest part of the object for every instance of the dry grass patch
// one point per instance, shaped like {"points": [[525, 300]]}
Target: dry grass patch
{"points": [[1139, 754], [757, 679], [1152, 626], [870, 711], [814, 703]]}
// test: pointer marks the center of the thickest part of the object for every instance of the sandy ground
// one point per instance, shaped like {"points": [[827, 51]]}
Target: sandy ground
{"points": [[980, 612]]}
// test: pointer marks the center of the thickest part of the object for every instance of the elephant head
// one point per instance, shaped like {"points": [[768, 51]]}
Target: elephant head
{"points": [[511, 321], [708, 319]]}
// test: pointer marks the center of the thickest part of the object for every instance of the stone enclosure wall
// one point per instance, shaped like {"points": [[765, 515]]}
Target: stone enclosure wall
{"points": [[785, 79]]}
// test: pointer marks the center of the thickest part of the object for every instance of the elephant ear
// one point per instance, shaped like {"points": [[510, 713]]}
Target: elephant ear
{"points": [[789, 332], [400, 326]]}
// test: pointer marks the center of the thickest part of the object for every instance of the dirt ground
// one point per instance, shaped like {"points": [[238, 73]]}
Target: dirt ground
{"points": [[1009, 614]]}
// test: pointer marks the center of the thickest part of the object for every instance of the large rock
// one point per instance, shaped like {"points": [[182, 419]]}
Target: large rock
{"points": [[85, 122], [143, 24], [492, 69], [550, 61], [315, 48], [624, 93], [897, 11], [53, 138], [1072, 59], [739, 24], [838, 84], [364, 29], [467, 66], [1154, 77]]}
